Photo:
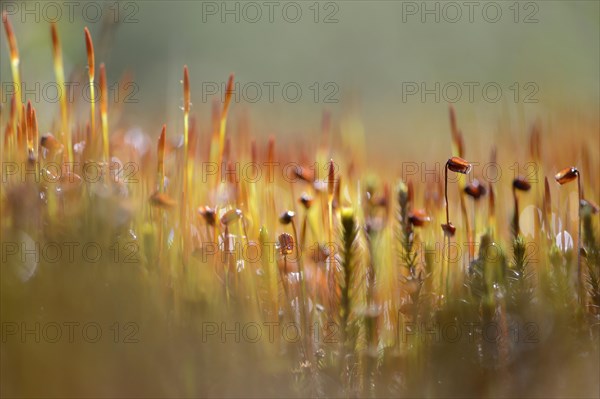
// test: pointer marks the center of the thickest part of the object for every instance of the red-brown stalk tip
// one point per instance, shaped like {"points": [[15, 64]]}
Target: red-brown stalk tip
{"points": [[28, 118], [10, 35], [186, 89], [89, 45], [492, 199], [161, 143], [547, 201], [55, 39], [229, 91], [331, 178]]}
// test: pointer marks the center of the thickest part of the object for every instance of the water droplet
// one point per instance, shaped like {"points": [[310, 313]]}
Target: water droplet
{"points": [[171, 238]]}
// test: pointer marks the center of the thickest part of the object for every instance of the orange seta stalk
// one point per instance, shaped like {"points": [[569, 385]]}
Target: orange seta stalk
{"points": [[223, 121], [271, 174], [492, 210], [330, 192], [91, 73], [161, 159], [14, 58], [565, 176], [35, 135], [9, 137], [547, 210], [186, 128], [186, 173], [59, 71], [22, 134], [29, 130], [104, 113], [217, 148]]}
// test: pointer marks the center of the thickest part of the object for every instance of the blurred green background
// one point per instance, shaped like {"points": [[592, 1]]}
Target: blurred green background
{"points": [[367, 49]]}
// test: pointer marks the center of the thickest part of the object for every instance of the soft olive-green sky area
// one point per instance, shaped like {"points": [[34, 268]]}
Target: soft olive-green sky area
{"points": [[366, 57]]}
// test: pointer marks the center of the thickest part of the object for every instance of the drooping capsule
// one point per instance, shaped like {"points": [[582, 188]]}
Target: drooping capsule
{"points": [[475, 189], [418, 218], [449, 229], [520, 183], [306, 200], [458, 165], [286, 217], [162, 200], [208, 214], [566, 175], [230, 216]]}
